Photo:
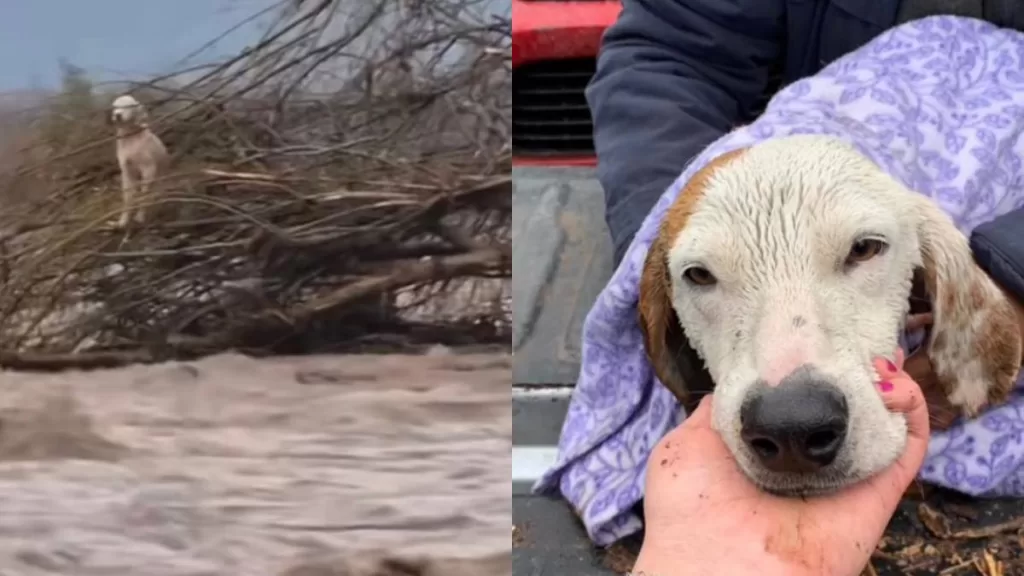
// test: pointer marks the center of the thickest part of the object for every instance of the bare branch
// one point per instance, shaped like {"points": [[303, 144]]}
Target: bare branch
{"points": [[348, 174]]}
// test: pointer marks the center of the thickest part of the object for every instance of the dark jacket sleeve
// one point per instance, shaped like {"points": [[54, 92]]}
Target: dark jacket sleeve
{"points": [[998, 248], [672, 77]]}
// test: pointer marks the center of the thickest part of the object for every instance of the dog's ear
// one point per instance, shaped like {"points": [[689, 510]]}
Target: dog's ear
{"points": [[675, 362], [975, 345]]}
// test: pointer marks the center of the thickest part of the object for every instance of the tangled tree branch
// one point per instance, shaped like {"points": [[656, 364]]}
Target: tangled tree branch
{"points": [[332, 183]]}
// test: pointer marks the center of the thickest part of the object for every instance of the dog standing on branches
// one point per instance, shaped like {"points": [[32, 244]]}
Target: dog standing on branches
{"points": [[141, 155]]}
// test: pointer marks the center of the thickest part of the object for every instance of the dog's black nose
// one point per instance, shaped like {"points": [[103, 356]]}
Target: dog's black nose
{"points": [[798, 426]]}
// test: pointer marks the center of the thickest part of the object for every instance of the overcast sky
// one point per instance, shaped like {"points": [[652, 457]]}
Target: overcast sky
{"points": [[120, 39], [111, 39]]}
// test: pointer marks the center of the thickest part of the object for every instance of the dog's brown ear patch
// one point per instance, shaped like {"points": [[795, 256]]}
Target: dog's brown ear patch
{"points": [[975, 345], [675, 362]]}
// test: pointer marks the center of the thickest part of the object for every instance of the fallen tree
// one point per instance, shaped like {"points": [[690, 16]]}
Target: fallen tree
{"points": [[343, 183]]}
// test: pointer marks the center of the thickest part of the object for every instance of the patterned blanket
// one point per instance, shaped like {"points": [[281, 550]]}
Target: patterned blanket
{"points": [[939, 103]]}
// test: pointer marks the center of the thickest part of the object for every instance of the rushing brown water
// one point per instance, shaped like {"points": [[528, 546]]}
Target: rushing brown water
{"points": [[313, 466]]}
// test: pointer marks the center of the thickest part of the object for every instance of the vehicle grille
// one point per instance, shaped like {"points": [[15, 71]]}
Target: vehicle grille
{"points": [[550, 116]]}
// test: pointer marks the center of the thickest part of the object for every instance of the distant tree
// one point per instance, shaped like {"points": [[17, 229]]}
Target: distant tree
{"points": [[71, 119], [70, 114], [76, 88]]}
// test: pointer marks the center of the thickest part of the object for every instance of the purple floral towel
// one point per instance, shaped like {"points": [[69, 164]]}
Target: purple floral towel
{"points": [[939, 103]]}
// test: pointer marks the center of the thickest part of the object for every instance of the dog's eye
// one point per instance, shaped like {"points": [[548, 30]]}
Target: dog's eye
{"points": [[864, 250], [699, 276]]}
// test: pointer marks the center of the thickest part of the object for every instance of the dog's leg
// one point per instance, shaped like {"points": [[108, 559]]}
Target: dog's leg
{"points": [[140, 212], [127, 196], [146, 182]]}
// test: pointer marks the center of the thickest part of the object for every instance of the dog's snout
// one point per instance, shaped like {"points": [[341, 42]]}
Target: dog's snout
{"points": [[798, 426]]}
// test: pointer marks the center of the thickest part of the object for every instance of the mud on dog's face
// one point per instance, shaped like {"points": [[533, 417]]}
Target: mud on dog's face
{"points": [[778, 275]]}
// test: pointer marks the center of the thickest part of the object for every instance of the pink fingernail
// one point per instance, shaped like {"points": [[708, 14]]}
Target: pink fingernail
{"points": [[892, 367], [885, 386]]}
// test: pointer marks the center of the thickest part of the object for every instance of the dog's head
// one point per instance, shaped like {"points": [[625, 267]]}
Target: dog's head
{"points": [[777, 276], [126, 110]]}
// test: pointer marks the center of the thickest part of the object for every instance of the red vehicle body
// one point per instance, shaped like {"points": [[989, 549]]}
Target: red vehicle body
{"points": [[554, 49], [561, 259]]}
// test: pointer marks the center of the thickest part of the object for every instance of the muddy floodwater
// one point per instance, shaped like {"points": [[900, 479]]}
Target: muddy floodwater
{"points": [[313, 466]]}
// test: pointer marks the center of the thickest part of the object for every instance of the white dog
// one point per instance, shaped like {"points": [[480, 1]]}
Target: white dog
{"points": [[779, 272], [141, 155]]}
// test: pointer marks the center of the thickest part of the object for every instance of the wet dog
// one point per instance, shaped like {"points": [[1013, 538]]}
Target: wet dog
{"points": [[779, 272], [141, 156]]}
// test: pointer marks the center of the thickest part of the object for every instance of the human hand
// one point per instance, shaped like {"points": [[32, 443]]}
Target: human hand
{"points": [[703, 516]]}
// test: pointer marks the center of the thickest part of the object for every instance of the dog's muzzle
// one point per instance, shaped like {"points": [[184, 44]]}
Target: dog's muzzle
{"points": [[798, 426]]}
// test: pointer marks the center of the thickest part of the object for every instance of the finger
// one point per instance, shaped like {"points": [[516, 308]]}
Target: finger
{"points": [[887, 368], [919, 321], [902, 394], [906, 397], [892, 482]]}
